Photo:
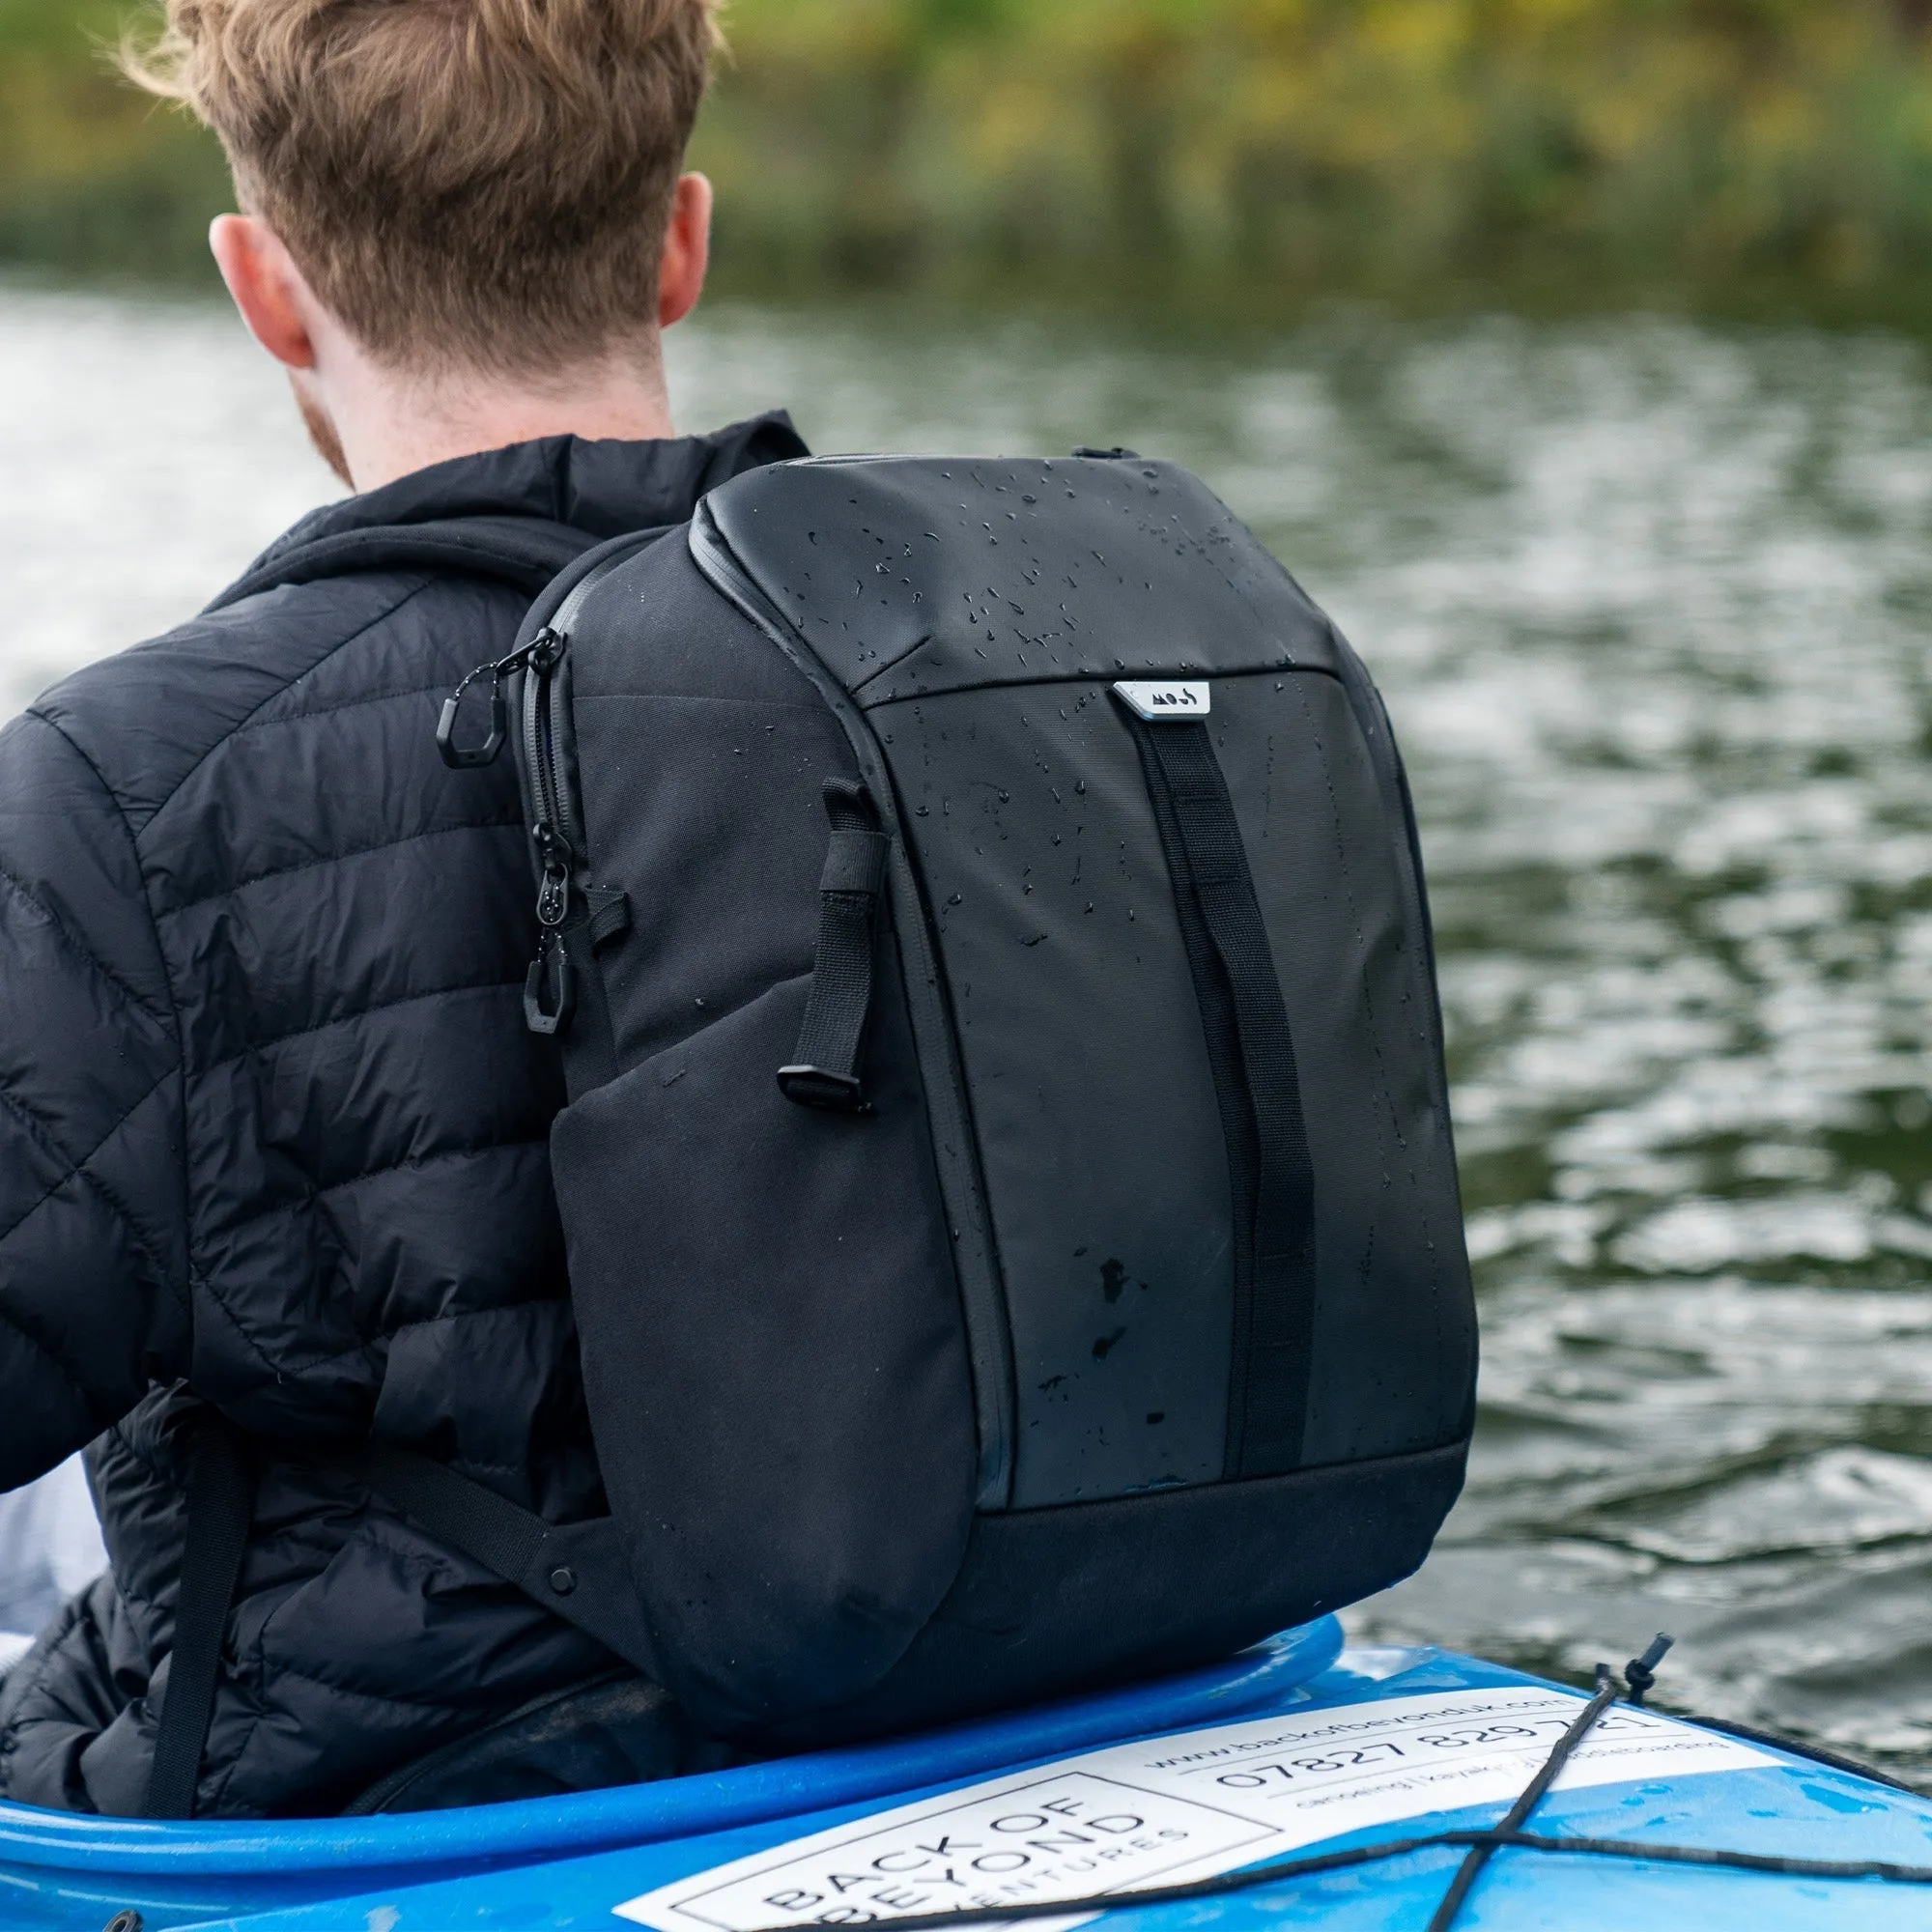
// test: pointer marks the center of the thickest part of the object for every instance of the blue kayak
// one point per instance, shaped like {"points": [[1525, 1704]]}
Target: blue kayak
{"points": [[1294, 1751]]}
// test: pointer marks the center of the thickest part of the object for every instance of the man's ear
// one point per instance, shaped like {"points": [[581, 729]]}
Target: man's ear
{"points": [[268, 287], [687, 250]]}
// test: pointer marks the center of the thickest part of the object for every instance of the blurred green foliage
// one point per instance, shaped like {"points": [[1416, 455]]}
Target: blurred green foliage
{"points": [[94, 177], [1256, 150]]}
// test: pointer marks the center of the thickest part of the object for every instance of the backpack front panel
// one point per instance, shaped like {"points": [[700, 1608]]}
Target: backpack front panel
{"points": [[1098, 1120], [978, 615], [1081, 1042]]}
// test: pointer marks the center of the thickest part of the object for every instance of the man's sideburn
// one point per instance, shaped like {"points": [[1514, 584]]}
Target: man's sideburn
{"points": [[321, 430]]}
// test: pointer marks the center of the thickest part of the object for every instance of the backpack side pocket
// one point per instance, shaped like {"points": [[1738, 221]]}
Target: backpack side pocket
{"points": [[775, 1358]]}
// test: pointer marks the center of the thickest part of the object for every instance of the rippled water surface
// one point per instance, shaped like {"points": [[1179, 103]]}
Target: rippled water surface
{"points": [[1651, 607]]}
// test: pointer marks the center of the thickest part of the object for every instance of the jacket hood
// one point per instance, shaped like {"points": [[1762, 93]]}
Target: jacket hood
{"points": [[603, 486]]}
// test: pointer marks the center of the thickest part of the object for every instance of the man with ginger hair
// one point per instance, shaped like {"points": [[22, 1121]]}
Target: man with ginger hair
{"points": [[273, 1134]]}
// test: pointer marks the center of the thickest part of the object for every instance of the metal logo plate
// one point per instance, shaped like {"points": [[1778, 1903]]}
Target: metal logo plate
{"points": [[1163, 703]]}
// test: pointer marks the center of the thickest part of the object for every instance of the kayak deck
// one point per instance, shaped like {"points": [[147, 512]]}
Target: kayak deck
{"points": [[1289, 1748]]}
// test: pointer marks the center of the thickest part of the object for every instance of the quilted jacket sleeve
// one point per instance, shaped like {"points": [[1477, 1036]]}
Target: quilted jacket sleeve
{"points": [[93, 1244]]}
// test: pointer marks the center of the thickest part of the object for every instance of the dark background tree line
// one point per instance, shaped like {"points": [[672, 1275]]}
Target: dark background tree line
{"points": [[1258, 152]]}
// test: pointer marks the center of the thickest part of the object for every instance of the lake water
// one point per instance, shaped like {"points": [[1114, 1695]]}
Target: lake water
{"points": [[1651, 607]]}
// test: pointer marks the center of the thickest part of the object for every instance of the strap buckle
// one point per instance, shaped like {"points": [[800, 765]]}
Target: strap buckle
{"points": [[820, 1087], [825, 1072]]}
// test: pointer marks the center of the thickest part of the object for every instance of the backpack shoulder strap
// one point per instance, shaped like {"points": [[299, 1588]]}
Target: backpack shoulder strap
{"points": [[523, 551], [575, 1570], [221, 1510]]}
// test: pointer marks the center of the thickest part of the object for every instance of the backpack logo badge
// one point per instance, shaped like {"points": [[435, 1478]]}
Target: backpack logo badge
{"points": [[1162, 703]]}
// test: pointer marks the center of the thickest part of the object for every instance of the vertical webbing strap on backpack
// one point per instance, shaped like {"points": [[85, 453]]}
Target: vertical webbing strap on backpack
{"points": [[1251, 1051], [825, 1069], [221, 1510]]}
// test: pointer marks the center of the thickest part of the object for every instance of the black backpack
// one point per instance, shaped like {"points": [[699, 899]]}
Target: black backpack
{"points": [[1010, 1206]]}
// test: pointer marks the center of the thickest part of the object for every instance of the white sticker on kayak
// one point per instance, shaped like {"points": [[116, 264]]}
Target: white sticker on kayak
{"points": [[1180, 1807]]}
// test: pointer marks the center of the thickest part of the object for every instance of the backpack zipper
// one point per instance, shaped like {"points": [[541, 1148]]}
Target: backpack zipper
{"points": [[549, 995], [549, 991]]}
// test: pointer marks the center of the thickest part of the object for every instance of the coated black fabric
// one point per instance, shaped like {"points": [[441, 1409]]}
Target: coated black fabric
{"points": [[1058, 1600], [1251, 1050], [773, 1358], [913, 578], [1394, 1348], [1091, 1098], [272, 1138], [971, 616], [220, 1512], [695, 759], [954, 1141]]}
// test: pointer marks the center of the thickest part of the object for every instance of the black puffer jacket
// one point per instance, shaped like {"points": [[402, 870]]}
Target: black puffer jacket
{"points": [[272, 1136]]}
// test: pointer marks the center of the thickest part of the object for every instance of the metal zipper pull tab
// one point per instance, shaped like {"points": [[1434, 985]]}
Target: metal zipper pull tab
{"points": [[543, 650], [553, 888], [550, 993]]}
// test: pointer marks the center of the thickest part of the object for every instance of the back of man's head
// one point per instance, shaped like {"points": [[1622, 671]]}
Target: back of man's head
{"points": [[472, 183]]}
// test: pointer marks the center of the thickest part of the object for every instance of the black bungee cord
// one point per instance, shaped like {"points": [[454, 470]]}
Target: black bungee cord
{"points": [[1478, 1845], [1531, 1796]]}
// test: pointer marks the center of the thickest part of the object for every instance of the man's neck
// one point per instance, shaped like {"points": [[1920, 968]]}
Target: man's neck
{"points": [[371, 425]]}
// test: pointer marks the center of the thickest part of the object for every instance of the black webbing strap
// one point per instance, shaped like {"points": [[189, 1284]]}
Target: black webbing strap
{"points": [[825, 1067], [577, 1571], [1252, 1055], [609, 913], [220, 1512]]}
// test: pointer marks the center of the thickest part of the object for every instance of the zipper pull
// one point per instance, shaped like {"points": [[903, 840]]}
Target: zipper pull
{"points": [[550, 995], [554, 891], [543, 652]]}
